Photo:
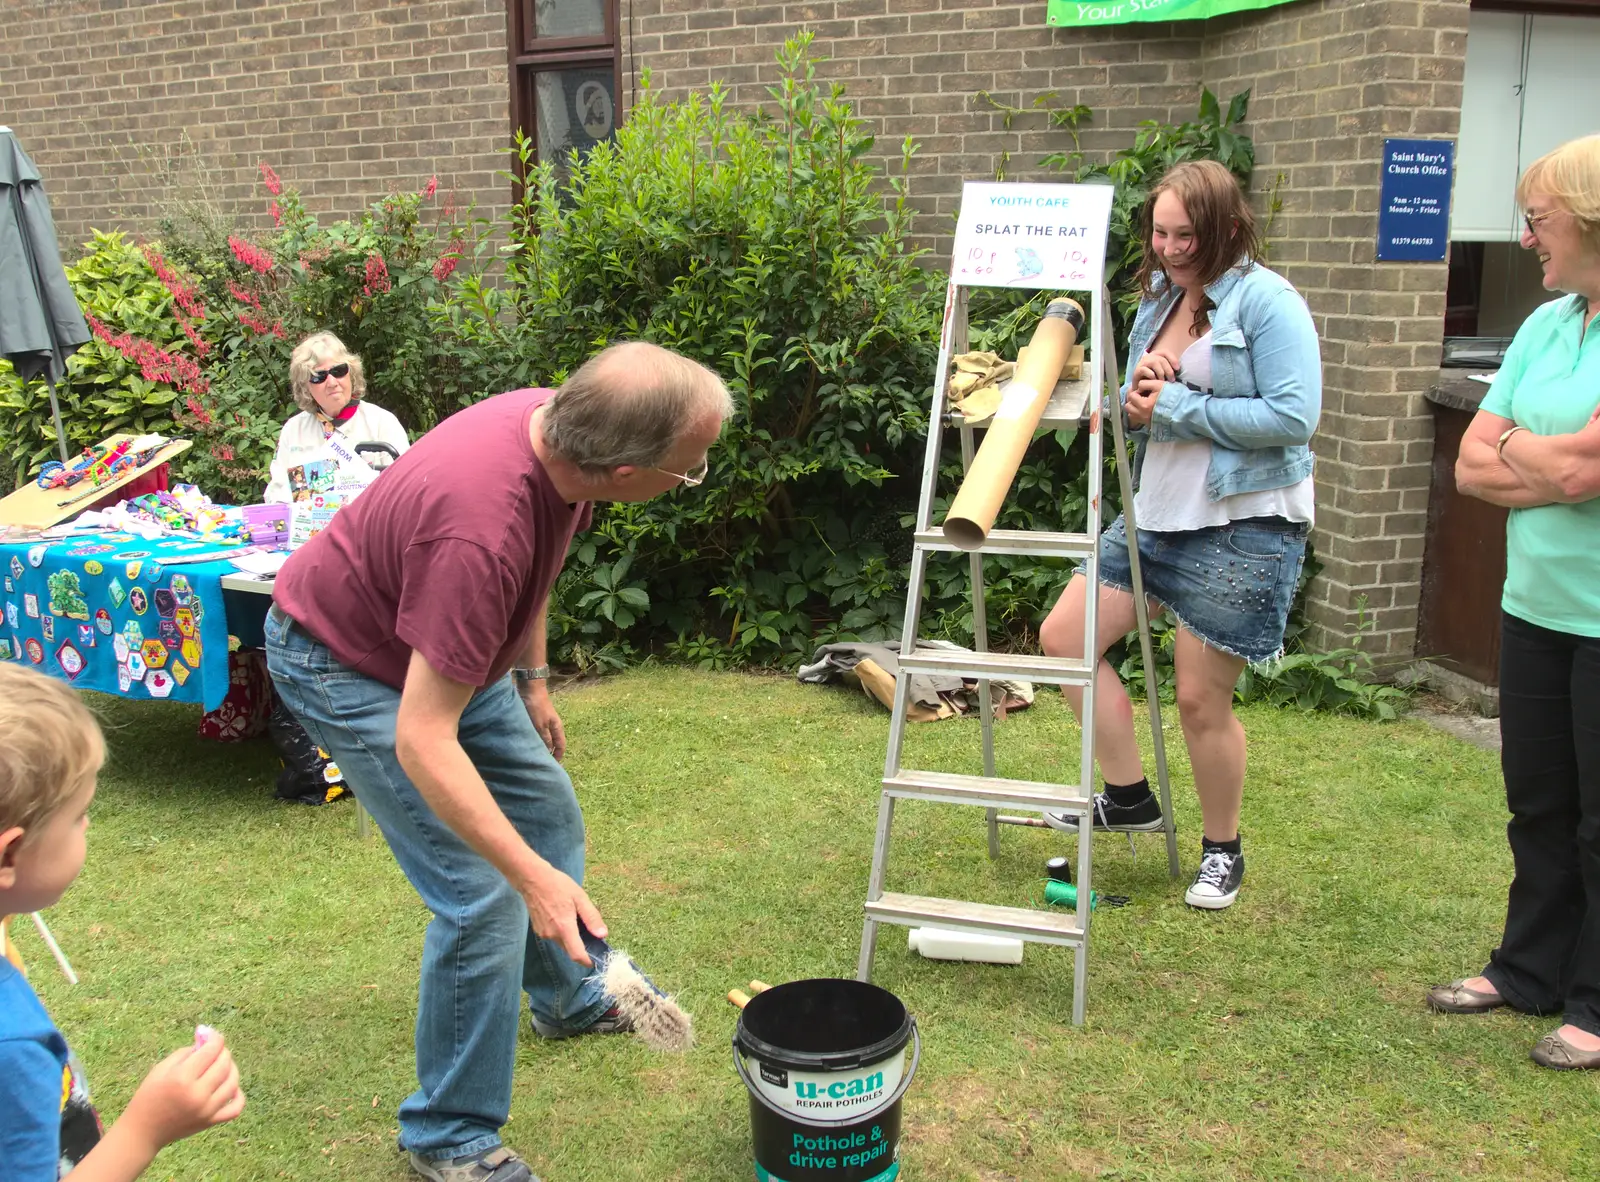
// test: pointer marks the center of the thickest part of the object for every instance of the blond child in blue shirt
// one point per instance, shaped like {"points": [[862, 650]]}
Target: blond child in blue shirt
{"points": [[50, 753]]}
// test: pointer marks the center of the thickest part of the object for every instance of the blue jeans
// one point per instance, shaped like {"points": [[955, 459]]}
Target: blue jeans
{"points": [[480, 950]]}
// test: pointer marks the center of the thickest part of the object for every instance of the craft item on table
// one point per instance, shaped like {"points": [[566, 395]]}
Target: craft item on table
{"points": [[266, 525], [182, 510], [658, 1021], [99, 465], [37, 507]]}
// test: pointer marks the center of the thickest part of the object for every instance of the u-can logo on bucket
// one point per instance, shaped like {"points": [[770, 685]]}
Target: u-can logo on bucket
{"points": [[811, 1094]]}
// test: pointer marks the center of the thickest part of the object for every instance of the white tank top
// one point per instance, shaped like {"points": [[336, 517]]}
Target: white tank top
{"points": [[1172, 483]]}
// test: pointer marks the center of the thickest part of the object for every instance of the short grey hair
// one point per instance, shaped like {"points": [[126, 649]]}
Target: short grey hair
{"points": [[304, 359], [628, 405]]}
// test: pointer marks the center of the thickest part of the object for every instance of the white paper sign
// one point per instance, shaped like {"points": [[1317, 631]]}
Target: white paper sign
{"points": [[1031, 236]]}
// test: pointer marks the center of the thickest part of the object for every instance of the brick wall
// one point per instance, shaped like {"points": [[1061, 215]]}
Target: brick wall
{"points": [[127, 107], [1331, 79], [916, 67]]}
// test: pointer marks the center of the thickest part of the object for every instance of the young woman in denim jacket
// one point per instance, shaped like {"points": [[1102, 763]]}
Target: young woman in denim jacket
{"points": [[1224, 390]]}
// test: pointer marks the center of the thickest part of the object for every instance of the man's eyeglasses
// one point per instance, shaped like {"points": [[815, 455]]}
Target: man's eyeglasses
{"points": [[1532, 220], [318, 376], [690, 479]]}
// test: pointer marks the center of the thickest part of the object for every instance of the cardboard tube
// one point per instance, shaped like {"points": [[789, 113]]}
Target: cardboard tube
{"points": [[978, 501]]}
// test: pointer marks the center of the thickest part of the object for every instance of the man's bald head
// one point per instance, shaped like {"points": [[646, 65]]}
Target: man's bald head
{"points": [[629, 404]]}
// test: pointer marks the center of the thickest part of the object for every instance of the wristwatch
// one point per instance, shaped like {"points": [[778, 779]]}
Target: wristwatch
{"points": [[524, 674]]}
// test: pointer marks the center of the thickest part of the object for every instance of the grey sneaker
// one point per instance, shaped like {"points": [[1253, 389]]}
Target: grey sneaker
{"points": [[610, 1022], [492, 1165]]}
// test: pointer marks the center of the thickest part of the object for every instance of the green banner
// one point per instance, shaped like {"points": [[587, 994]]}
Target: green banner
{"points": [[1122, 12]]}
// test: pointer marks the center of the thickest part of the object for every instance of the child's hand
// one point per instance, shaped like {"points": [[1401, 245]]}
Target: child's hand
{"points": [[190, 1090]]}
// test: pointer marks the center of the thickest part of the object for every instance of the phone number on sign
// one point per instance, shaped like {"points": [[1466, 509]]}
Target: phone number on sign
{"points": [[1411, 241]]}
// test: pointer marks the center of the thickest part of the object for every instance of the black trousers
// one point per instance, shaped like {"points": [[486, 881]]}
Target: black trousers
{"points": [[1549, 958]]}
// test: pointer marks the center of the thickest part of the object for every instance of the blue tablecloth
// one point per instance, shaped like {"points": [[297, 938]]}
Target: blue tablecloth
{"points": [[103, 612]]}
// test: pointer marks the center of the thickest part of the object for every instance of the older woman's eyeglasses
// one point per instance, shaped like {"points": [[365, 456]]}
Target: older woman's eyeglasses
{"points": [[1532, 220], [318, 376], [690, 479]]}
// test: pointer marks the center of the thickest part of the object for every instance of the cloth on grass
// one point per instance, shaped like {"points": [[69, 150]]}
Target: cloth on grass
{"points": [[933, 695]]}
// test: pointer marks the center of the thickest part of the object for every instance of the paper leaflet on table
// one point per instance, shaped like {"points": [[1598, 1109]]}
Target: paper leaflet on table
{"points": [[260, 563]]}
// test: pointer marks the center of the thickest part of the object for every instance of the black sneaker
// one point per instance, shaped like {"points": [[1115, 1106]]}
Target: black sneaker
{"points": [[1143, 816], [1216, 884]]}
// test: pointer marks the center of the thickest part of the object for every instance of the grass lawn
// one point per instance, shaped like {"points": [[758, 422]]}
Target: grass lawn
{"points": [[730, 831]]}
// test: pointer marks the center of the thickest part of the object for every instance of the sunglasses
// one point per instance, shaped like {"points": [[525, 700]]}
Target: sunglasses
{"points": [[318, 376]]}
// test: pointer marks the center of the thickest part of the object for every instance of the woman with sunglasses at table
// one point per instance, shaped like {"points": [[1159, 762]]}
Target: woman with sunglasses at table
{"points": [[330, 389], [1534, 446]]}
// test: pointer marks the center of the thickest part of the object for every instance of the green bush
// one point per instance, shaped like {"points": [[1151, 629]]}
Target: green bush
{"points": [[137, 366], [770, 249], [373, 281]]}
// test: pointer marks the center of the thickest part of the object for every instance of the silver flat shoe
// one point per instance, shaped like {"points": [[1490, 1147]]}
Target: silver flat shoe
{"points": [[1557, 1053], [1456, 998]]}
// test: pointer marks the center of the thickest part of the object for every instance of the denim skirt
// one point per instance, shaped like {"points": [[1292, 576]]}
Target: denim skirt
{"points": [[1230, 585]]}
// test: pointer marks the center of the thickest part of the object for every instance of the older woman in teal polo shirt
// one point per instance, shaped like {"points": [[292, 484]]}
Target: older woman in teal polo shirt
{"points": [[1535, 447]]}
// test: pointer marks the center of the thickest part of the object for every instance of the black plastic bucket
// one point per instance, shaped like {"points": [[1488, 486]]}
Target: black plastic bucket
{"points": [[825, 1064]]}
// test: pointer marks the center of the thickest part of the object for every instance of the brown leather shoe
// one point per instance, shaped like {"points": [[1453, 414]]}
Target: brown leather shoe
{"points": [[1557, 1053], [1456, 998]]}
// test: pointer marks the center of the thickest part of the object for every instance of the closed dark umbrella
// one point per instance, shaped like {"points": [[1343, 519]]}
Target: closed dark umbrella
{"points": [[41, 324]]}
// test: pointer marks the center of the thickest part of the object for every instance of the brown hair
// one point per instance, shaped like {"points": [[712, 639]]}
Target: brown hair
{"points": [[1224, 225], [50, 748], [629, 404], [1569, 176]]}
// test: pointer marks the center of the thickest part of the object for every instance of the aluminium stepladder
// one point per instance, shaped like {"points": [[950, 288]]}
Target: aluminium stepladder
{"points": [[1072, 404]]}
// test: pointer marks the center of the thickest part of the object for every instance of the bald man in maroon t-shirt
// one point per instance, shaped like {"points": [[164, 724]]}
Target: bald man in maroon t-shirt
{"points": [[409, 639]]}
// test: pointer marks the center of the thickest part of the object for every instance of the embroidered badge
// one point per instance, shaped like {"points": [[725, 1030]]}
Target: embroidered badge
{"points": [[70, 660]]}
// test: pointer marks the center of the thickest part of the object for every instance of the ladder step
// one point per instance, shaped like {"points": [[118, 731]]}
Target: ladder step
{"points": [[986, 791], [1011, 541], [1048, 927], [989, 666]]}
